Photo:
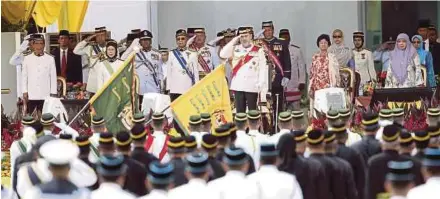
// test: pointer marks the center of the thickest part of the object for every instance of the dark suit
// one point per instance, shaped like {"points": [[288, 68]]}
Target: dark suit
{"points": [[74, 65], [348, 186], [357, 164], [305, 174], [179, 172], [142, 156], [319, 179], [418, 177], [367, 147], [136, 175], [221, 153]]}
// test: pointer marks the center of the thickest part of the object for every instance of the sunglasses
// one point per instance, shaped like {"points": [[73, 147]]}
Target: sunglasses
{"points": [[416, 42], [337, 36], [180, 38]]}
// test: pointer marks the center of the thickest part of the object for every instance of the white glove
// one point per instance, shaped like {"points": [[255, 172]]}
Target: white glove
{"points": [[259, 34], [190, 41], [284, 81], [24, 45]]}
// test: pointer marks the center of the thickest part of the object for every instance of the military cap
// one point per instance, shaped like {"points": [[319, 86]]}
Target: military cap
{"points": [[244, 30], [315, 137], [160, 173], [106, 138], [253, 115], [47, 119], [358, 34], [400, 171], [64, 33], [27, 120], [234, 156], [38, 127], [284, 31], [82, 141], [199, 30], [163, 50], [329, 136], [97, 120], [285, 116], [344, 112], [181, 32], [111, 165], [138, 132], [158, 116], [65, 136], [100, 29], [297, 115], [390, 133], [240, 117], [338, 127], [432, 157], [190, 143], [405, 138], [433, 131], [385, 113], [433, 112], [370, 121], [176, 145], [195, 119], [132, 36], [222, 131], [190, 31], [138, 118], [221, 33], [37, 37], [421, 136], [197, 162], [123, 139], [51, 152], [300, 135], [209, 142], [145, 34], [268, 150], [229, 32], [136, 31], [206, 117], [397, 112], [266, 24], [332, 115]]}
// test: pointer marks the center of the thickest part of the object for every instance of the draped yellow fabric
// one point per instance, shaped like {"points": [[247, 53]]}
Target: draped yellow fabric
{"points": [[46, 12], [72, 15], [16, 11]]}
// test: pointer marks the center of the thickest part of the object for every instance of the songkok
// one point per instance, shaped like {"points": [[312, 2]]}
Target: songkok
{"points": [[123, 139], [64, 33], [209, 142], [190, 143], [433, 131], [332, 115], [132, 36], [145, 34], [111, 165], [405, 138], [160, 173], [181, 32], [176, 145], [433, 112], [97, 120], [136, 31], [397, 112], [221, 34], [284, 31], [199, 30], [285, 116], [38, 127], [163, 50], [190, 31], [82, 141], [300, 135], [385, 113], [268, 150], [36, 37], [244, 30], [240, 117], [158, 116], [47, 119], [234, 156], [221, 131], [390, 133], [267, 24], [106, 138], [344, 112], [27, 120], [195, 120], [65, 136], [138, 132], [254, 115], [197, 162], [421, 136], [358, 34], [400, 171], [315, 137], [138, 118], [100, 29], [297, 115], [329, 136], [338, 127], [432, 157], [59, 152], [424, 23], [206, 117], [370, 121]]}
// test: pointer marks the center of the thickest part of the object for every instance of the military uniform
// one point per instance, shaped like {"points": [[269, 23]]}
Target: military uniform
{"points": [[369, 145], [17, 60], [258, 137], [283, 117], [399, 172], [430, 189], [94, 139], [357, 164], [196, 120], [160, 174], [94, 54], [364, 62], [209, 144], [406, 140], [385, 119], [422, 140], [206, 55], [158, 146], [246, 142], [138, 134], [83, 144], [177, 145]]}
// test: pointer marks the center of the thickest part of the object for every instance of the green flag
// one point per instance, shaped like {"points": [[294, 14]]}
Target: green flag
{"points": [[116, 101]]}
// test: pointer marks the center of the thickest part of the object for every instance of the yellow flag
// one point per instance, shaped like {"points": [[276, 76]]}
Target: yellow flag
{"points": [[210, 95]]}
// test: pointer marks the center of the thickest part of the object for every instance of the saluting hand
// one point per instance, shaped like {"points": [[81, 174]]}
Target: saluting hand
{"points": [[90, 37]]}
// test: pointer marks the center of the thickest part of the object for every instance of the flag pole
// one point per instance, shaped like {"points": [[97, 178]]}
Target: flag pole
{"points": [[150, 120], [81, 111]]}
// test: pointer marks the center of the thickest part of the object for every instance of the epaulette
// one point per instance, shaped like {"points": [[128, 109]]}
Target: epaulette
{"points": [[294, 45], [48, 54]]}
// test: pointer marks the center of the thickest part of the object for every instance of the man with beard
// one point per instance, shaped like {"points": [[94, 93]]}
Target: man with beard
{"points": [[363, 58]]}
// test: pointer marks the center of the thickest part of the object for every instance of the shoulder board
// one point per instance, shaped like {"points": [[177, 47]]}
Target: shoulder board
{"points": [[48, 54], [294, 45]]}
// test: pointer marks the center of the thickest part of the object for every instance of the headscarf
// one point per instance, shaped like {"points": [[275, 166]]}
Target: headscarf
{"points": [[342, 53], [115, 45], [420, 50], [286, 146], [400, 59]]}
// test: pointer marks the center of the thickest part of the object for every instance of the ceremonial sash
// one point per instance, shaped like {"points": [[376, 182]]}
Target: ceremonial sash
{"points": [[33, 177], [183, 64], [149, 65], [149, 143], [272, 57], [244, 61], [108, 67], [202, 61], [96, 49]]}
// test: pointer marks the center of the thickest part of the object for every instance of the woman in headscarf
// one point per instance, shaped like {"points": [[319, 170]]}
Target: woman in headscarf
{"points": [[425, 59], [324, 71], [343, 54], [404, 70], [110, 65]]}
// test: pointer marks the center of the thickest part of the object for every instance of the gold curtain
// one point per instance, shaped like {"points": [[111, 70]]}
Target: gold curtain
{"points": [[72, 15], [46, 12], [16, 11]]}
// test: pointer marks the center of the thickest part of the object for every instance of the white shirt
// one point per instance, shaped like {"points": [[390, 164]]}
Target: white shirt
{"points": [[178, 81], [209, 54], [39, 76], [259, 138], [110, 190], [429, 190], [382, 124], [198, 136], [275, 184], [196, 188], [156, 194], [158, 144], [94, 141], [104, 74], [17, 60], [247, 143], [352, 138], [65, 51], [364, 65], [233, 185], [82, 48], [35, 193]]}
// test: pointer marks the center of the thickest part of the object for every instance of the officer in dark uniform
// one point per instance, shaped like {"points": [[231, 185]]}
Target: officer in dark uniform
{"points": [[138, 135], [209, 144], [190, 144], [422, 140], [176, 149], [347, 185], [300, 139], [353, 157], [136, 173], [434, 135], [399, 179], [406, 142], [369, 145], [326, 188], [280, 79], [106, 144], [83, 144]]}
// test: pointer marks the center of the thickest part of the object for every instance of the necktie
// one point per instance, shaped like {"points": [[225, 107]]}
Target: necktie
{"points": [[63, 64]]}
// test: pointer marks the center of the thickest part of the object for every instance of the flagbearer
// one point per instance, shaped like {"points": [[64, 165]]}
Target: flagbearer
{"points": [[206, 122], [139, 135], [195, 126], [249, 70], [97, 127], [156, 144]]}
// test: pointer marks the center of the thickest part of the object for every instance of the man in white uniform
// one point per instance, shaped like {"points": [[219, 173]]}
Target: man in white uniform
{"points": [[285, 125], [207, 57], [363, 59], [245, 141], [158, 146], [195, 126], [431, 172], [17, 60], [97, 127]]}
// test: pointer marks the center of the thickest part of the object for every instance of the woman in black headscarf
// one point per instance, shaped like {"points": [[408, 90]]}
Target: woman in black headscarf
{"points": [[110, 64]]}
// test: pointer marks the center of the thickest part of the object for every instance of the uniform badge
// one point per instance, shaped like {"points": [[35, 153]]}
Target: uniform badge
{"points": [[253, 62], [363, 55], [154, 57]]}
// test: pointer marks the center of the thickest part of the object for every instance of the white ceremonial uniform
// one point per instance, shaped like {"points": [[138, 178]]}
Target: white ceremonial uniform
{"points": [[17, 61], [39, 76], [275, 184], [259, 138], [178, 81], [110, 190], [364, 65], [209, 54], [36, 193], [233, 185], [21, 146], [276, 137], [247, 143], [429, 190], [297, 72], [158, 144], [156, 194], [80, 174], [352, 138], [82, 48], [103, 74], [196, 188], [198, 136], [94, 142]]}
